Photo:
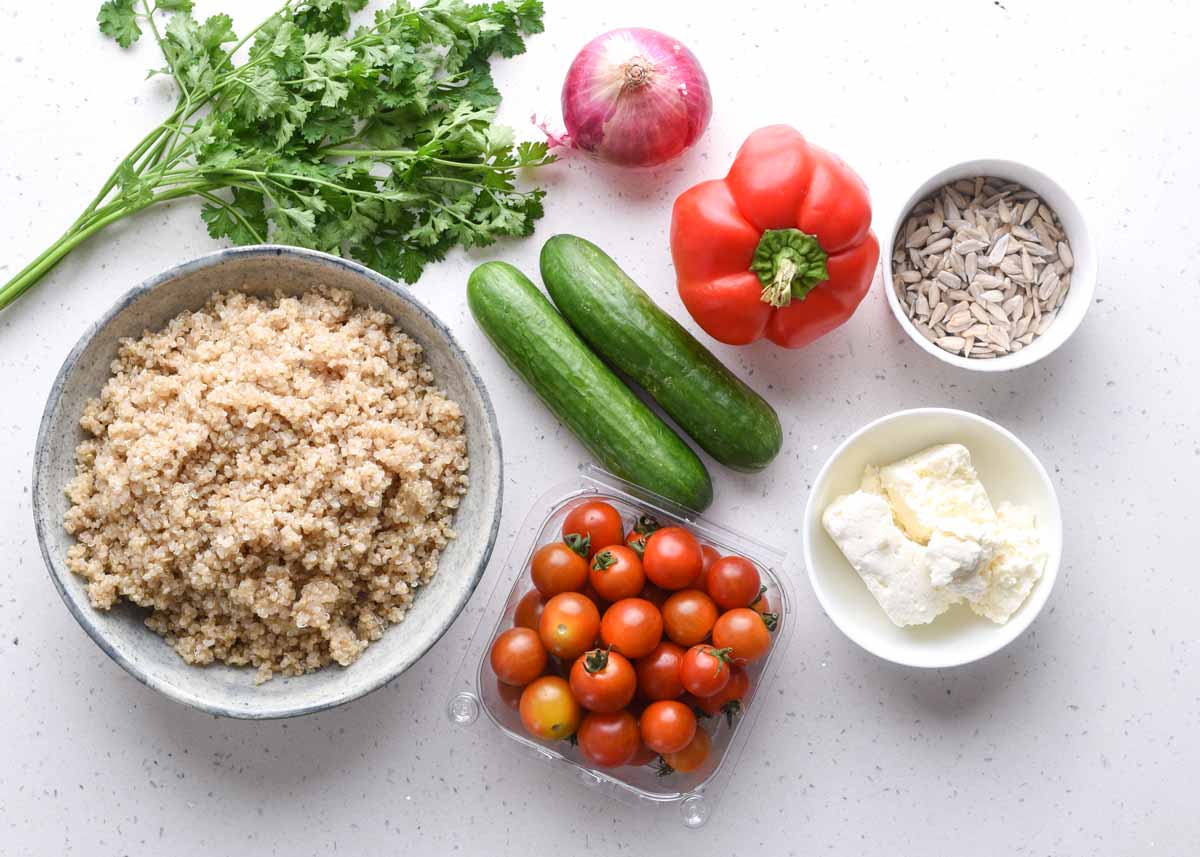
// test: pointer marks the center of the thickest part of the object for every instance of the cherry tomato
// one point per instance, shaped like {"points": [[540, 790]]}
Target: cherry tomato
{"points": [[569, 625], [658, 672], [673, 558], [556, 568], [643, 756], [616, 573], [743, 631], [727, 701], [705, 670], [548, 710], [763, 607], [690, 757], [732, 582], [511, 695], [609, 739], [710, 556], [632, 626], [689, 616], [603, 681], [518, 656], [642, 528], [529, 610], [667, 726], [596, 522]]}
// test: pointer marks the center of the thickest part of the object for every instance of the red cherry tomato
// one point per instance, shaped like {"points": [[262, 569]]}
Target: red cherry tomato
{"points": [[616, 573], [673, 559], [727, 701], [710, 556], [658, 672], [643, 756], [556, 568], [609, 739], [689, 616], [548, 710], [596, 522], [632, 626], [569, 625], [744, 632], [732, 582], [667, 726], [690, 758], [529, 610], [603, 681], [518, 656], [705, 670]]}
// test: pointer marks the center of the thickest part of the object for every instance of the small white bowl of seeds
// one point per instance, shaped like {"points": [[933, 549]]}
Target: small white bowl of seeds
{"points": [[989, 266]]}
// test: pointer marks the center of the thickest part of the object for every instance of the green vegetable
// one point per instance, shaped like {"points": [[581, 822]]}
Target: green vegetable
{"points": [[614, 424], [730, 421], [380, 144]]}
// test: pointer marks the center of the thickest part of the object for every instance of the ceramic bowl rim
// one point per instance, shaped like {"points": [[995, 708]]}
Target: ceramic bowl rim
{"points": [[84, 614], [1082, 289], [1033, 604]]}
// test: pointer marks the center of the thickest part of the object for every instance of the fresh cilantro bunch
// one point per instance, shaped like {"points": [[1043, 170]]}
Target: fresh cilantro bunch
{"points": [[379, 143]]}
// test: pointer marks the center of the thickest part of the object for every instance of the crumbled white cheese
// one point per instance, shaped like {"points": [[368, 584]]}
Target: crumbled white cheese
{"points": [[957, 564], [892, 566], [923, 535], [938, 489], [1018, 565]]}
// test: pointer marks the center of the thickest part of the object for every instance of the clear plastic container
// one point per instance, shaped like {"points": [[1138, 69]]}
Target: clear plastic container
{"points": [[479, 703]]}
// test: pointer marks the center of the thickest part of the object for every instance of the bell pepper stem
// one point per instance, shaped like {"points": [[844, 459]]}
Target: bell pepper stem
{"points": [[789, 264]]}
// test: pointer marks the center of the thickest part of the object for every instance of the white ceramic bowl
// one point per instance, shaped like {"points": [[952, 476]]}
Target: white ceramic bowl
{"points": [[1083, 275], [1008, 470]]}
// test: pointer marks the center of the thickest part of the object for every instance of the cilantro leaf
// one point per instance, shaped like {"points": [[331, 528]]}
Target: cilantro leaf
{"points": [[118, 21]]}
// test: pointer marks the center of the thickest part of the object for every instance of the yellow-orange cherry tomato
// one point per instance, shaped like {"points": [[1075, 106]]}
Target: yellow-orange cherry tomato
{"points": [[569, 625], [744, 632], [548, 710]]}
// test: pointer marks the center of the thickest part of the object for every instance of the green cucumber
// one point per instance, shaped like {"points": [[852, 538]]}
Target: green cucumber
{"points": [[624, 435], [731, 422]]}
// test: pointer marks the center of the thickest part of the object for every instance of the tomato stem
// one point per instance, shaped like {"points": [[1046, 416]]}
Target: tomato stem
{"points": [[581, 544]]}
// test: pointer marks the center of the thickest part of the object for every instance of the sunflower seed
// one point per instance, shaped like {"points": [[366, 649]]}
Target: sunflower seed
{"points": [[981, 266]]}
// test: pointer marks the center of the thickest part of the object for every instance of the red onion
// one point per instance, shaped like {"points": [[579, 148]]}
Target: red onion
{"points": [[635, 97]]}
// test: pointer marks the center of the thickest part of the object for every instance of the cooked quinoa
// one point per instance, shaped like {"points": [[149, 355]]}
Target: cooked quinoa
{"points": [[273, 479]]}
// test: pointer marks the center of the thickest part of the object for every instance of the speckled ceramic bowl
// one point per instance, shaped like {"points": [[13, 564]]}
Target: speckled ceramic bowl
{"points": [[120, 632]]}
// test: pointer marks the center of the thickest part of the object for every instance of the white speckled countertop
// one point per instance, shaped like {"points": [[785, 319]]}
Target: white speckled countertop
{"points": [[1083, 737]]}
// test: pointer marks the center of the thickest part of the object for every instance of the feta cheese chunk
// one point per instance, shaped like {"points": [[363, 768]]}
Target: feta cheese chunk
{"points": [[893, 567], [957, 564], [1020, 560], [937, 489]]}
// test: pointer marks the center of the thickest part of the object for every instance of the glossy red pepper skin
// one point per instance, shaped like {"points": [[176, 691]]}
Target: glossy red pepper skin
{"points": [[778, 181]]}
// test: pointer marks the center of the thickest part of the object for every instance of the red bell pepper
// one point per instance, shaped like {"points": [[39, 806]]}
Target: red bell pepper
{"points": [[781, 247]]}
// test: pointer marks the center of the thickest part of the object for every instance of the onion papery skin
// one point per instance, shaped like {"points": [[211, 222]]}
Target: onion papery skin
{"points": [[636, 98]]}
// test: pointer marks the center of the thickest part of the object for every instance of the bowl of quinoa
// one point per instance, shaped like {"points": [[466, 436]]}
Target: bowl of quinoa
{"points": [[267, 481]]}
